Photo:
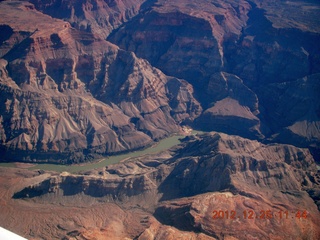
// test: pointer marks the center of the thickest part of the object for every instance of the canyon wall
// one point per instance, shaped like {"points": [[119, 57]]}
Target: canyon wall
{"points": [[179, 190], [68, 96], [247, 68]]}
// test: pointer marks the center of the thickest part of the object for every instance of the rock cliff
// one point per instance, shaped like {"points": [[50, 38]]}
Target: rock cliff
{"points": [[184, 186], [97, 17], [67, 95], [234, 64], [101, 77], [257, 43]]}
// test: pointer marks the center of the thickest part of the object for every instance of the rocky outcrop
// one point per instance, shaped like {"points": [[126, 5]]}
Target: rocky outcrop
{"points": [[266, 53], [68, 95], [71, 96], [296, 105], [235, 107], [97, 17], [233, 54], [166, 37], [206, 173], [256, 42], [192, 168], [181, 38]]}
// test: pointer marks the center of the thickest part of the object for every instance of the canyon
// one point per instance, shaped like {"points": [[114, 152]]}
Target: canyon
{"points": [[172, 194], [74, 97], [82, 80], [99, 78]]}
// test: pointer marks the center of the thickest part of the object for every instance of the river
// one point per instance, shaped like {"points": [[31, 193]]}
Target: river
{"points": [[164, 144]]}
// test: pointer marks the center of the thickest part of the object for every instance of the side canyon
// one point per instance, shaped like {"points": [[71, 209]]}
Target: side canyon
{"points": [[82, 80]]}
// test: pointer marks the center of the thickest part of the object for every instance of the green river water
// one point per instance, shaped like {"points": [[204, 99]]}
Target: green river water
{"points": [[164, 144]]}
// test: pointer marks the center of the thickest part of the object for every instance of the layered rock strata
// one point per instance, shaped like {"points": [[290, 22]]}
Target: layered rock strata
{"points": [[213, 172], [258, 43], [67, 95], [242, 58]]}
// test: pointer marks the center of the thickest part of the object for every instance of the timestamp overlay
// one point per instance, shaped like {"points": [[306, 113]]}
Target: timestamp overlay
{"points": [[260, 215]]}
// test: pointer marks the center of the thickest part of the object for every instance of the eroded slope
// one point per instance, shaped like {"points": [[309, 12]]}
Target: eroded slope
{"points": [[182, 187], [257, 42], [69, 95]]}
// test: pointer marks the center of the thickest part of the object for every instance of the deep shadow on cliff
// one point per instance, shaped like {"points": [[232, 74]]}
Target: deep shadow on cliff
{"points": [[69, 96], [258, 43], [248, 68], [181, 188]]}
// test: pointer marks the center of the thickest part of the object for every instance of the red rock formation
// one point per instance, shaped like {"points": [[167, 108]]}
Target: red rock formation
{"points": [[264, 185], [257, 42], [182, 38], [234, 107], [66, 94], [98, 17], [251, 44], [296, 105]]}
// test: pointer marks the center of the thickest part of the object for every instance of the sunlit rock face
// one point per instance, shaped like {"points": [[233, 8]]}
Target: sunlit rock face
{"points": [[85, 79], [241, 67], [67, 95], [178, 191], [97, 17]]}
